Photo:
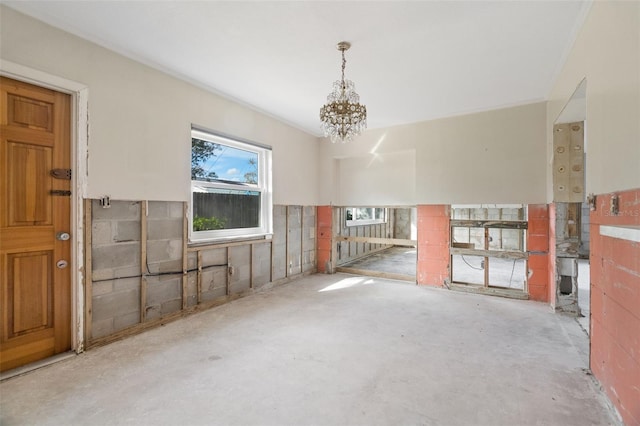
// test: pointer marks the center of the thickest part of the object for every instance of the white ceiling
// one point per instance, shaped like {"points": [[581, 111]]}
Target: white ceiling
{"points": [[411, 61]]}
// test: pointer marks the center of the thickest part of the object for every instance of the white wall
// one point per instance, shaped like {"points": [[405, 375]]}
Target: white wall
{"points": [[140, 119], [607, 53], [495, 156]]}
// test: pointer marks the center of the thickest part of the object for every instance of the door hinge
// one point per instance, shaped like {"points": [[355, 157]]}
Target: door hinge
{"points": [[61, 174], [59, 192]]}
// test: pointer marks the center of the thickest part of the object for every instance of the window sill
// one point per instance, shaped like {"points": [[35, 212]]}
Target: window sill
{"points": [[226, 241]]}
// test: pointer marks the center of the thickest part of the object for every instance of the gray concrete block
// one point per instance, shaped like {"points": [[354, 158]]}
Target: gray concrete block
{"points": [[115, 304], [214, 257], [125, 321], [101, 328], [214, 279], [152, 312], [126, 230], [176, 209], [169, 266], [127, 271], [101, 288], [126, 284], [115, 256], [120, 210], [170, 307], [157, 209], [102, 274], [162, 289], [192, 288], [166, 229], [164, 250], [192, 260], [101, 233], [239, 255]]}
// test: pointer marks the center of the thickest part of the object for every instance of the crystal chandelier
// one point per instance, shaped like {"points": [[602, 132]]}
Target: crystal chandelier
{"points": [[343, 117]]}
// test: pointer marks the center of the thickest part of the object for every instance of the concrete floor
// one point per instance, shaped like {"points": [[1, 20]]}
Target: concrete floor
{"points": [[329, 350], [395, 260]]}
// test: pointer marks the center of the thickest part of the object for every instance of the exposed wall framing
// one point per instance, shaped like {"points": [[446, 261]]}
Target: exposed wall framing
{"points": [[354, 242], [141, 271]]}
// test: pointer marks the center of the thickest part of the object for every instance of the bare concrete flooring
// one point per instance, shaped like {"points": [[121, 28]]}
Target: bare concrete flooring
{"points": [[329, 350]]}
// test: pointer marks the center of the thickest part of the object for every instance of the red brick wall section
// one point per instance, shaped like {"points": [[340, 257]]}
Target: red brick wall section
{"points": [[615, 305], [552, 256], [324, 233], [433, 244], [538, 247]]}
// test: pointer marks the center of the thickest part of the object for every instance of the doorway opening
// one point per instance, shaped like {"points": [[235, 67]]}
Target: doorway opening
{"points": [[377, 241]]}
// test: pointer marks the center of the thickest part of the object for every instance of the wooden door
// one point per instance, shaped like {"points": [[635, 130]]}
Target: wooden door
{"points": [[35, 304]]}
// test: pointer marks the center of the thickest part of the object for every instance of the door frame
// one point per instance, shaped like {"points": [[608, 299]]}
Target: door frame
{"points": [[79, 154]]}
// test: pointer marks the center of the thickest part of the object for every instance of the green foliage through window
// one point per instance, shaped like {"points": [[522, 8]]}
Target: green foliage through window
{"points": [[207, 223]]}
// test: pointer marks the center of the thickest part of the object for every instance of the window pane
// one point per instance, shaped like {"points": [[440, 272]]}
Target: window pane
{"points": [[225, 209], [214, 162]]}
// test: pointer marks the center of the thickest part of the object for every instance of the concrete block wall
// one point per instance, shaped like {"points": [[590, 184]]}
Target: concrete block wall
{"points": [[309, 239], [115, 266], [324, 238], [137, 258], [538, 248], [164, 256], [402, 223], [615, 302], [433, 244]]}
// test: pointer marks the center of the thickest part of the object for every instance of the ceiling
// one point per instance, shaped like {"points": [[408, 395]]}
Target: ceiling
{"points": [[411, 61]]}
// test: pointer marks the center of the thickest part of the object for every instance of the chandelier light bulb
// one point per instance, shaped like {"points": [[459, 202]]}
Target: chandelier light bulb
{"points": [[343, 117]]}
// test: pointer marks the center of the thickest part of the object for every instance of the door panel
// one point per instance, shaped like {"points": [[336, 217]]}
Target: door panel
{"points": [[35, 301]]}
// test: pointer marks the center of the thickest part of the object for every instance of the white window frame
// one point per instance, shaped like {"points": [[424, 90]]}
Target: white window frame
{"points": [[264, 186], [360, 222]]}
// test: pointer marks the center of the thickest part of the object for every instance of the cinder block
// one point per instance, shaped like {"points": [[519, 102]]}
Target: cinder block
{"points": [[101, 328], [101, 288], [240, 255], [162, 289], [126, 230], [164, 229], [170, 307], [101, 233], [157, 209], [124, 321], [119, 210], [164, 250], [192, 260], [102, 274], [176, 209], [152, 312], [214, 257], [115, 256], [115, 304], [214, 279], [126, 284]]}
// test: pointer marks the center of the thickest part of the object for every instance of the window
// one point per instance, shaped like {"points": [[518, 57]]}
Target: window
{"points": [[230, 188], [356, 216]]}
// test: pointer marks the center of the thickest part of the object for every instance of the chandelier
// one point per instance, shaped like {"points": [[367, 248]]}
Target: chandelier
{"points": [[343, 117]]}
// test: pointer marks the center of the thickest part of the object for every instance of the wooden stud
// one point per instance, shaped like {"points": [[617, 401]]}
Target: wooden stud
{"points": [[486, 259], [185, 266], [88, 273], [301, 239], [229, 267], [143, 261], [251, 250], [199, 283], [286, 249]]}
